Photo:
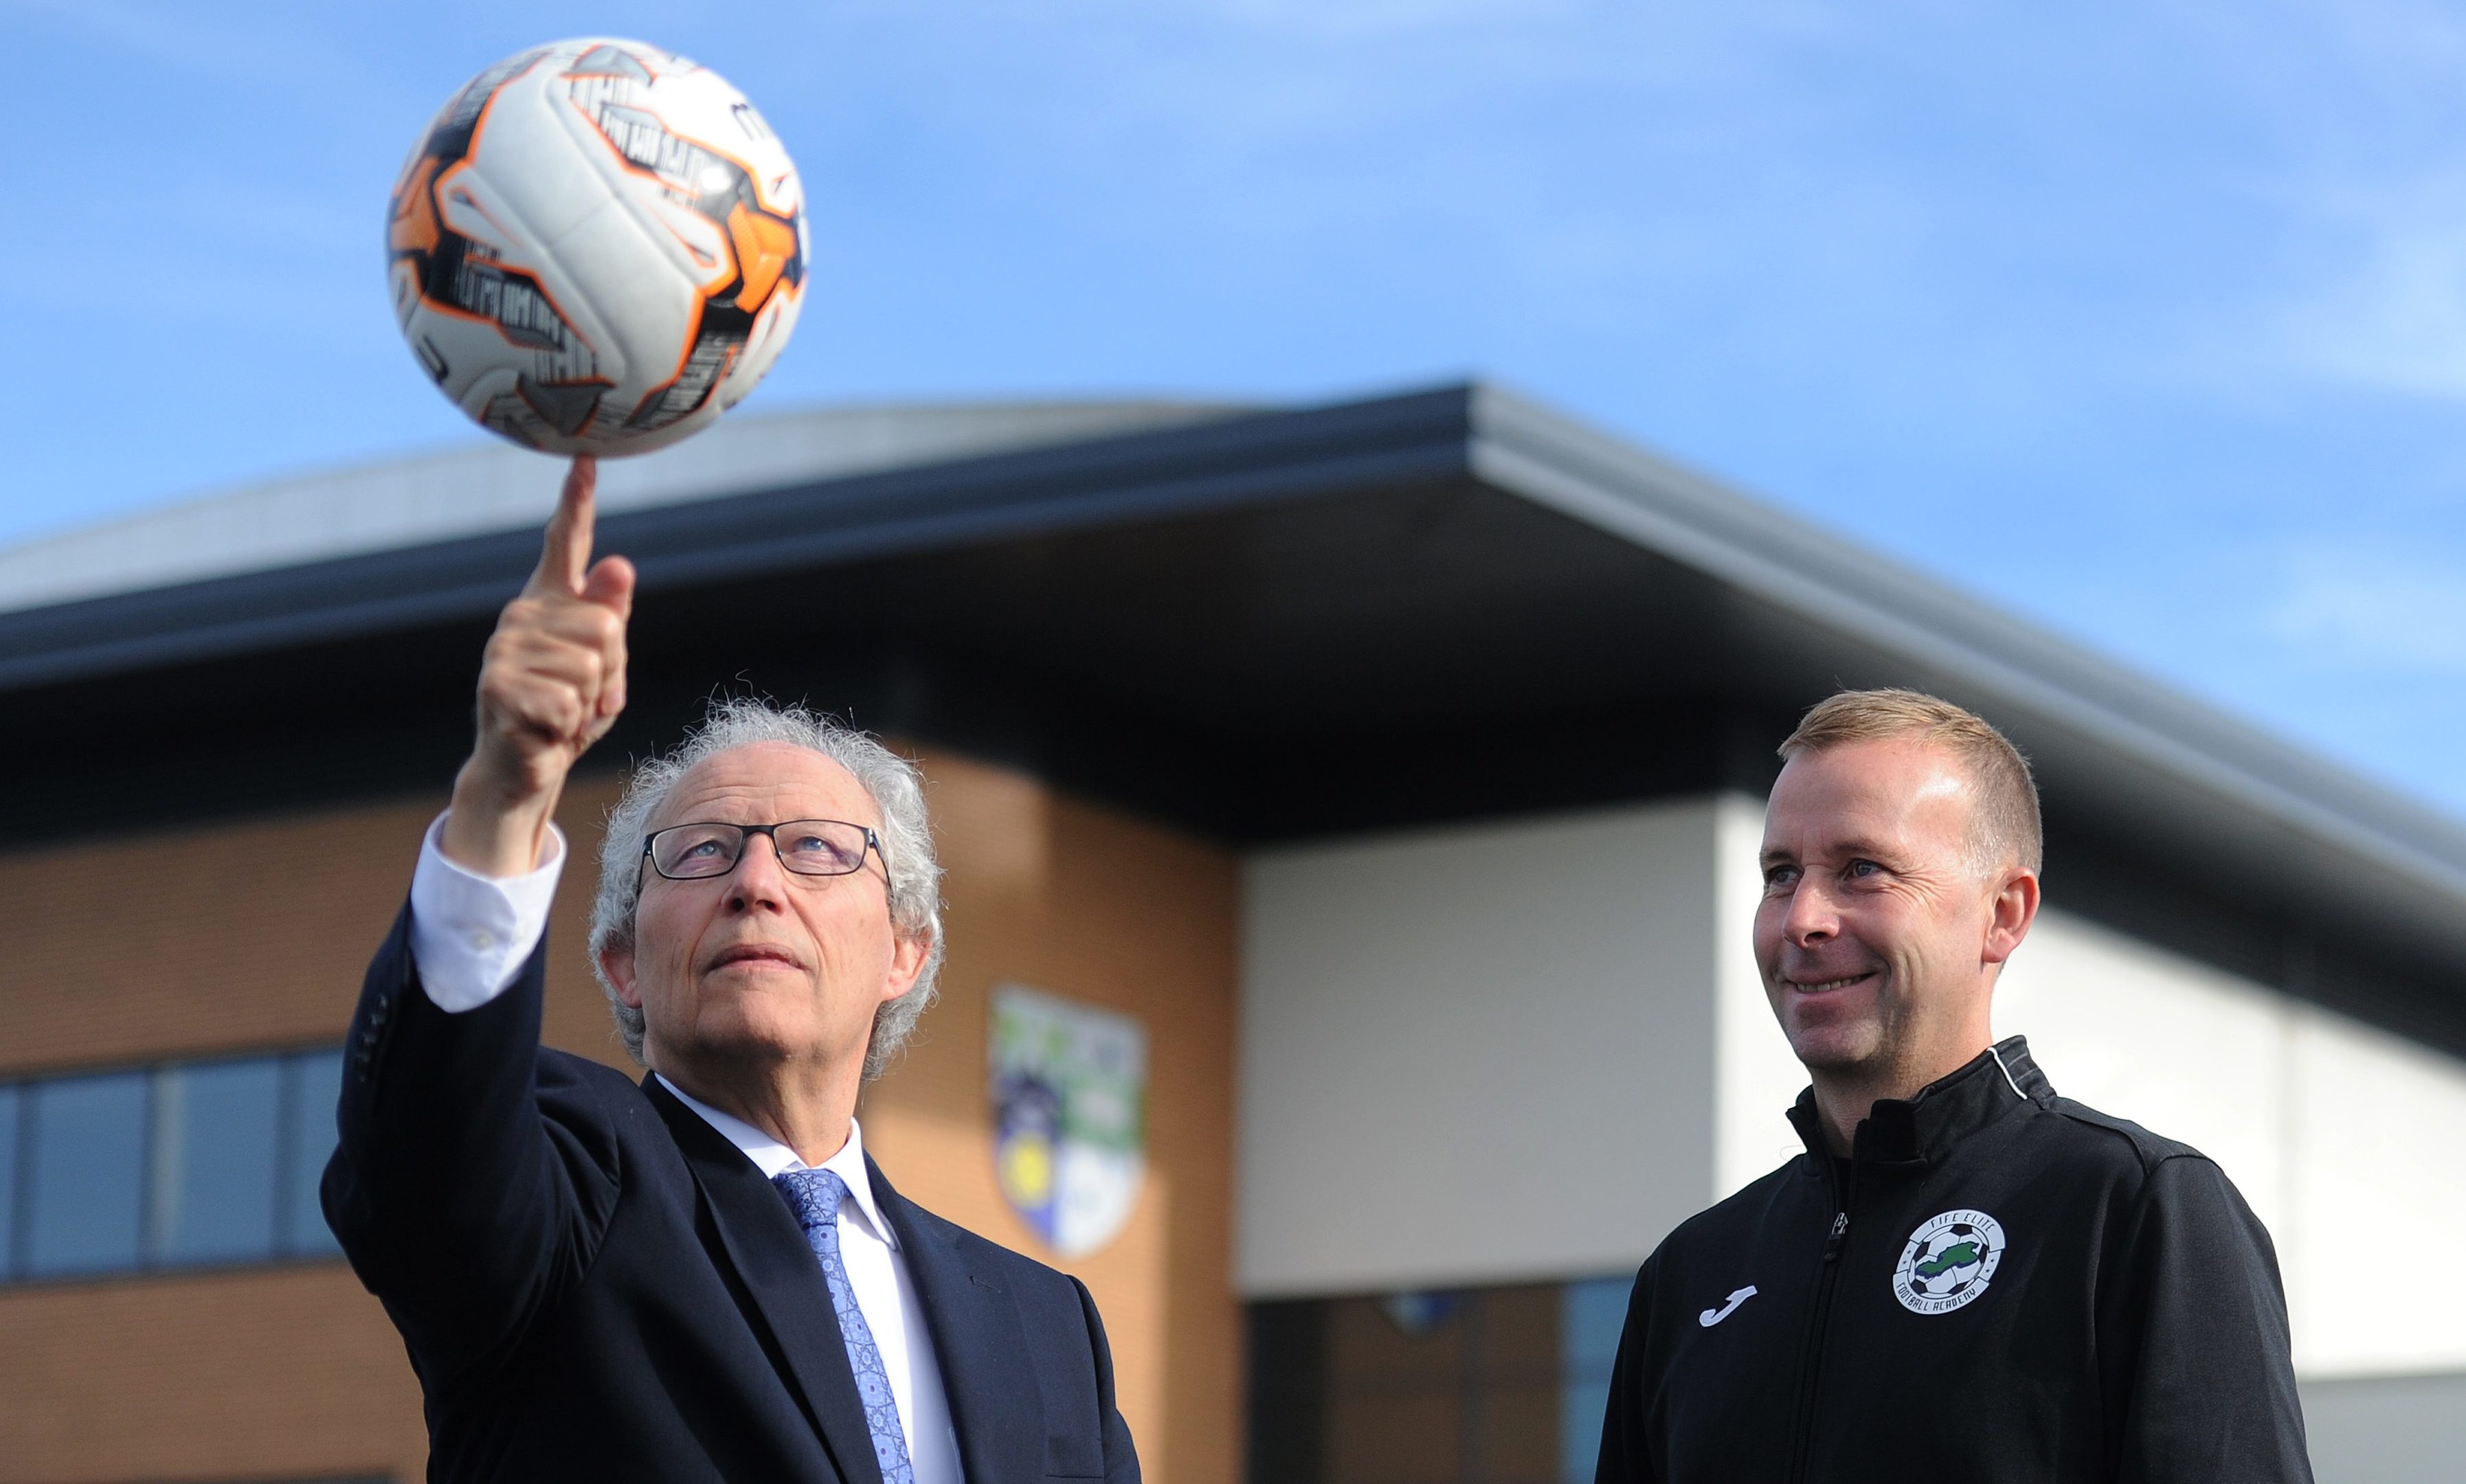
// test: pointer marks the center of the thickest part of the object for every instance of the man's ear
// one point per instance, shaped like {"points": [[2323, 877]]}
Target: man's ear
{"points": [[908, 956], [618, 963], [2013, 910]]}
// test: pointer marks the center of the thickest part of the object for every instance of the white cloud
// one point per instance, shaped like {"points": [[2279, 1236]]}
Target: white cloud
{"points": [[2360, 185], [2374, 610], [2389, 312]]}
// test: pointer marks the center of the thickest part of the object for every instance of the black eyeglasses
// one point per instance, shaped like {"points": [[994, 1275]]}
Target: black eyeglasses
{"points": [[808, 847]]}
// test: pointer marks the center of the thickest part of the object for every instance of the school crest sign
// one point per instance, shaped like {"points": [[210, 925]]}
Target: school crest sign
{"points": [[1069, 1096]]}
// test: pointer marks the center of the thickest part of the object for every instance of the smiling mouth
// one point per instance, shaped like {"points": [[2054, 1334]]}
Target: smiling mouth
{"points": [[1827, 986]]}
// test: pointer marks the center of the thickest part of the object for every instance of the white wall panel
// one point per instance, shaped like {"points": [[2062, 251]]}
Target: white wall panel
{"points": [[1759, 1078], [2341, 1135], [2178, 1048], [1475, 1054], [2379, 1240]]}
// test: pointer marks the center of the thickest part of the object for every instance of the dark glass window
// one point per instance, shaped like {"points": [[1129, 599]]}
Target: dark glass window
{"points": [[316, 1086], [214, 1162], [1496, 1385], [1592, 1316], [7, 1182], [176, 1165], [87, 1187]]}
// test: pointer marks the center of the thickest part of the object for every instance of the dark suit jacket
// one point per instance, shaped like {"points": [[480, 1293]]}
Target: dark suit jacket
{"points": [[594, 1284]]}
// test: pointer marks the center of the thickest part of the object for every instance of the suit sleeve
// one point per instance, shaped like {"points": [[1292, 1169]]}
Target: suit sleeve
{"points": [[1121, 1459], [1626, 1458], [463, 1199], [2202, 1376]]}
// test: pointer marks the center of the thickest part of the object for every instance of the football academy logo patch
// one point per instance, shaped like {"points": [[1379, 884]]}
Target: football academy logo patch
{"points": [[1948, 1262], [1070, 1095]]}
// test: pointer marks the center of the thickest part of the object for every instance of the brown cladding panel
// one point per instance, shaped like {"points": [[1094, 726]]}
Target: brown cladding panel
{"points": [[227, 939], [265, 1375]]}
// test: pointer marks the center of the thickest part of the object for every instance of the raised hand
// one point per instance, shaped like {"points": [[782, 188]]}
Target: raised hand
{"points": [[550, 683]]}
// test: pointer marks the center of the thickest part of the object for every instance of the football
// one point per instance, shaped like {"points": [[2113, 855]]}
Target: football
{"points": [[598, 247]]}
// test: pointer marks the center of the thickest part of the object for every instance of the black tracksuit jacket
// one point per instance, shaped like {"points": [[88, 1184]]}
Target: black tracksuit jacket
{"points": [[1998, 1284]]}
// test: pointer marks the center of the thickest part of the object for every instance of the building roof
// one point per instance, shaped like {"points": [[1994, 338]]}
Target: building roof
{"points": [[495, 486], [1262, 625]]}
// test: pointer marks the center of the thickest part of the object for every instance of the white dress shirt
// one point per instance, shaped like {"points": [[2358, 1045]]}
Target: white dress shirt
{"points": [[471, 935]]}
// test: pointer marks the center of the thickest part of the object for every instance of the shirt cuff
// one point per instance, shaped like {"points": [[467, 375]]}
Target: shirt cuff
{"points": [[471, 935]]}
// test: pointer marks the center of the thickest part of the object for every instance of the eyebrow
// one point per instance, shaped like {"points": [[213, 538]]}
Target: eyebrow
{"points": [[1862, 848]]}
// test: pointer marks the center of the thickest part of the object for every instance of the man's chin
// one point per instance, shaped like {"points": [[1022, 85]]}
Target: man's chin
{"points": [[740, 1030], [1836, 1048]]}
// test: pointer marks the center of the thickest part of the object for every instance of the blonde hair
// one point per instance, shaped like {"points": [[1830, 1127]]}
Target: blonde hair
{"points": [[2008, 826]]}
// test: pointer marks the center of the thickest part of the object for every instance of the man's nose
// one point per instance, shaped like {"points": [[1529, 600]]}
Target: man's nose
{"points": [[759, 880], [1812, 917]]}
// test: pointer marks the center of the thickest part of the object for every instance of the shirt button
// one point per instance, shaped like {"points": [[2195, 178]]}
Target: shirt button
{"points": [[483, 939]]}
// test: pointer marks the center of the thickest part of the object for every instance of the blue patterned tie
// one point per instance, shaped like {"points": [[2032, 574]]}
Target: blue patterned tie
{"points": [[814, 1196]]}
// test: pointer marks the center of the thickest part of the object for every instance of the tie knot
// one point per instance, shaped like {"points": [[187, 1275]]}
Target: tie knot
{"points": [[814, 1195]]}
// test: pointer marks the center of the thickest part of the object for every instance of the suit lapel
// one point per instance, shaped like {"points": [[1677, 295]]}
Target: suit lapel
{"points": [[987, 1372], [767, 1251]]}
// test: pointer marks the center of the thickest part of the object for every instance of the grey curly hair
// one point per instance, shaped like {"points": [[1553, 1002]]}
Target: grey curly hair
{"points": [[898, 792]]}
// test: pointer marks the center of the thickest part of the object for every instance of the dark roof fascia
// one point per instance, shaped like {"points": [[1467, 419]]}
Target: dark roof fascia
{"points": [[1274, 458], [1829, 580], [1260, 458]]}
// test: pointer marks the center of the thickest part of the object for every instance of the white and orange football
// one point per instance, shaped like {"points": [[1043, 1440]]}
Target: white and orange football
{"points": [[598, 247]]}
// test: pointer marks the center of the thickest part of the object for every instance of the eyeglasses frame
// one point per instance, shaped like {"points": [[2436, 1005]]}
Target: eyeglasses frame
{"points": [[872, 842]]}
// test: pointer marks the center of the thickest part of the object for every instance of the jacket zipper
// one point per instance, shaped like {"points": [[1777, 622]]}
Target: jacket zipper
{"points": [[1829, 1270]]}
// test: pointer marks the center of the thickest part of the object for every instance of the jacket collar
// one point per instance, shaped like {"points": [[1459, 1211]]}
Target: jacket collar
{"points": [[987, 1369], [759, 1238], [978, 1338], [774, 1159], [1919, 1131]]}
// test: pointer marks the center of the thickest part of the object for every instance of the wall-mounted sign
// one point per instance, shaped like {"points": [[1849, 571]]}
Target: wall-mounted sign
{"points": [[1069, 1094]]}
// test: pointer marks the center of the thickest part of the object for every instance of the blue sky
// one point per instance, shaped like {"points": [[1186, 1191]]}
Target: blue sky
{"points": [[2148, 321]]}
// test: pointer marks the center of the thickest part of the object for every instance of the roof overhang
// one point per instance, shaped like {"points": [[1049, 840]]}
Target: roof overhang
{"points": [[1266, 627]]}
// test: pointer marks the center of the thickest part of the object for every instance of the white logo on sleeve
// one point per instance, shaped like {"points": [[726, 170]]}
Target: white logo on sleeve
{"points": [[1948, 1262], [1712, 1316]]}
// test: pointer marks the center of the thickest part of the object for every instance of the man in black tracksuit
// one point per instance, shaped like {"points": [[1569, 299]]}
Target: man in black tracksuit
{"points": [[1966, 1277]]}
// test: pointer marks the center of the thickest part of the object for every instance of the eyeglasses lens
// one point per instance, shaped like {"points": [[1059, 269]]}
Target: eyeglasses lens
{"points": [[820, 848], [808, 847]]}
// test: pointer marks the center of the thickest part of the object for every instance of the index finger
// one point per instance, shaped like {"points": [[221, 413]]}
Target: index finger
{"points": [[565, 546]]}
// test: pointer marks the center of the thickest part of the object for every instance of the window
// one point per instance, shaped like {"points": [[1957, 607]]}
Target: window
{"points": [[8, 1181], [314, 1085], [213, 1165], [186, 1164], [1592, 1316], [1496, 1385], [86, 1185]]}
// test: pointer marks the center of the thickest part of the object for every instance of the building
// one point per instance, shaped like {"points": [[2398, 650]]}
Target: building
{"points": [[1373, 788]]}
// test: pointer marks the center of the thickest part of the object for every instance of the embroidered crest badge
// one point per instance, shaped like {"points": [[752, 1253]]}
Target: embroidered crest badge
{"points": [[1069, 1096], [1948, 1262]]}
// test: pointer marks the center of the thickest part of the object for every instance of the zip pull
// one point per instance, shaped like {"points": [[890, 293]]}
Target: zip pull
{"points": [[1840, 1233]]}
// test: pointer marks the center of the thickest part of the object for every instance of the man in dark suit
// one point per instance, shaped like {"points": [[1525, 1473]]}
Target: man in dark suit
{"points": [[700, 1276]]}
